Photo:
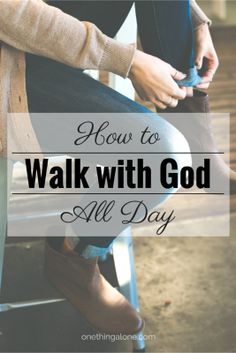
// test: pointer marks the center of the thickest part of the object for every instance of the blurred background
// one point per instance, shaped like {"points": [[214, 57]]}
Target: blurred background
{"points": [[222, 12]]}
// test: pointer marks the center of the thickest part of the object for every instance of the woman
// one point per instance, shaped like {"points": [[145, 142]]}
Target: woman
{"points": [[164, 74]]}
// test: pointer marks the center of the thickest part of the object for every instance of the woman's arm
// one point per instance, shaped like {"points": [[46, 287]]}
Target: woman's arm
{"points": [[35, 27], [205, 54]]}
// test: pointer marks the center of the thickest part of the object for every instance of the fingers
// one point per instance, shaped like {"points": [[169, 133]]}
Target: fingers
{"points": [[209, 75], [172, 102], [213, 63], [210, 71], [199, 57], [168, 102], [203, 86], [210, 66], [178, 93], [205, 82], [205, 79], [177, 75], [160, 105], [189, 91]]}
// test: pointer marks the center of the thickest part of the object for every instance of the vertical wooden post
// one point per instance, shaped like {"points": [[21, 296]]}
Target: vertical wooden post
{"points": [[127, 34]]}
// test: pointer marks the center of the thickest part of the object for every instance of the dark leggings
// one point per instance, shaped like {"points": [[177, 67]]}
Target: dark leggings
{"points": [[165, 31]]}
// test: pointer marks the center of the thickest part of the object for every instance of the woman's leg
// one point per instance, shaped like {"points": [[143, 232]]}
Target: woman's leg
{"points": [[54, 87], [165, 30], [59, 87]]}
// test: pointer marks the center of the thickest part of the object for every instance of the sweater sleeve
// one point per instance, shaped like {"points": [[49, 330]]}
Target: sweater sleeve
{"points": [[198, 16], [35, 27]]}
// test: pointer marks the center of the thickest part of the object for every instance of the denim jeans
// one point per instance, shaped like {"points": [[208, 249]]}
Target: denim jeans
{"points": [[165, 30]]}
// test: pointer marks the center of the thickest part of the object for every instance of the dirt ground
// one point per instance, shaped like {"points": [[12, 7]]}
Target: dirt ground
{"points": [[187, 291]]}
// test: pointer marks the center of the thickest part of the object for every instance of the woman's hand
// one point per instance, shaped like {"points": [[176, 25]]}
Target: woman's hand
{"points": [[206, 56], [154, 80]]}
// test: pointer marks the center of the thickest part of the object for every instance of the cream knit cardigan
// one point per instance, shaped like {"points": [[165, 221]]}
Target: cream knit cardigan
{"points": [[35, 27]]}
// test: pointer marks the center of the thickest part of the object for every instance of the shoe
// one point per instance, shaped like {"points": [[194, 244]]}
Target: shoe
{"points": [[202, 140], [81, 282]]}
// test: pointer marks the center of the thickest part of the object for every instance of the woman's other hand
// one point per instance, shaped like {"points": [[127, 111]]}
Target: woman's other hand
{"points": [[154, 80], [206, 57]]}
